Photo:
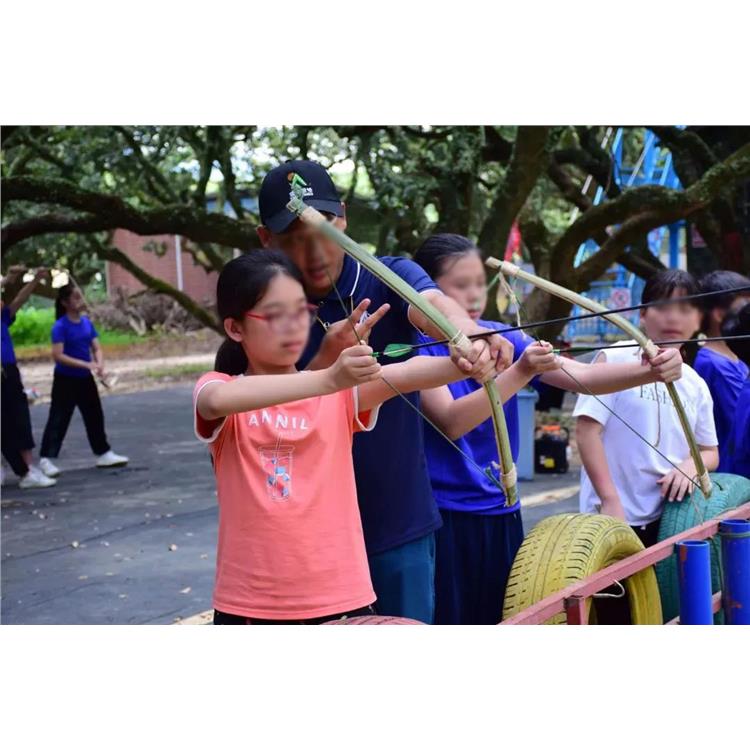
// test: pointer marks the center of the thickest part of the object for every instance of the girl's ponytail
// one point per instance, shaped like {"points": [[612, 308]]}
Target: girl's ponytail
{"points": [[231, 358]]}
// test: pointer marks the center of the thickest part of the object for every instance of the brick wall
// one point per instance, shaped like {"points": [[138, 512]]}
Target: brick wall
{"points": [[201, 286]]}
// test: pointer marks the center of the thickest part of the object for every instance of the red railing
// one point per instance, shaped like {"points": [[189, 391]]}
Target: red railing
{"points": [[572, 599]]}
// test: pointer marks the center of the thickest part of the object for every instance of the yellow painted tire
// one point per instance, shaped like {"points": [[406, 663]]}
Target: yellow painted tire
{"points": [[569, 547]]}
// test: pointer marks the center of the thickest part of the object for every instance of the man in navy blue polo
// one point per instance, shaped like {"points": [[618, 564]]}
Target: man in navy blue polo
{"points": [[399, 514]]}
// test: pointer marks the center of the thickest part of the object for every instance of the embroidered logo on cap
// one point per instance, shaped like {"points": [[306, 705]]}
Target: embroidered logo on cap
{"points": [[298, 182]]}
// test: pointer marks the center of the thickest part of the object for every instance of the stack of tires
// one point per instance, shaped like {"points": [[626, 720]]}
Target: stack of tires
{"points": [[566, 548]]}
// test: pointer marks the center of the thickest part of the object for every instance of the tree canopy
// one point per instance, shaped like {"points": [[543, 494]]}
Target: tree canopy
{"points": [[66, 189]]}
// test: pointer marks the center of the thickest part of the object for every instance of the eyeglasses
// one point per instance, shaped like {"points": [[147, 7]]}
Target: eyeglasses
{"points": [[278, 322]]}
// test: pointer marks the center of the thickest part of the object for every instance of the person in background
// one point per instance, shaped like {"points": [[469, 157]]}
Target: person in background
{"points": [[724, 372], [17, 438], [622, 476], [74, 338], [738, 324]]}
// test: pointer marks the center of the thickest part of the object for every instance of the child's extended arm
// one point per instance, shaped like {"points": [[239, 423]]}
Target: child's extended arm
{"points": [[354, 366], [456, 417], [594, 458], [416, 374], [609, 377]]}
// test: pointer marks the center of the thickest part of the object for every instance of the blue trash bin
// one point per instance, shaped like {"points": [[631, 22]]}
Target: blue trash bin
{"points": [[527, 397]]}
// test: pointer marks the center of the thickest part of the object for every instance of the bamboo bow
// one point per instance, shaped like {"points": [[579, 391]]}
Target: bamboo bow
{"points": [[457, 338], [650, 349]]}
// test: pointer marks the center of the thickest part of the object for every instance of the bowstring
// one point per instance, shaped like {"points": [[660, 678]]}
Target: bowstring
{"points": [[484, 472]]}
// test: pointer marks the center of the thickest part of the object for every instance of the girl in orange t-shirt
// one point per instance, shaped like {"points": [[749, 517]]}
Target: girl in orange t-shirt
{"points": [[290, 545]]}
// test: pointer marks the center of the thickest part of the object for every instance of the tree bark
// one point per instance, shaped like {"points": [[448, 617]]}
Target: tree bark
{"points": [[113, 212], [530, 157]]}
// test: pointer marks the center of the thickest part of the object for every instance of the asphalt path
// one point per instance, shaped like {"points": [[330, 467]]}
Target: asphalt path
{"points": [[135, 544]]}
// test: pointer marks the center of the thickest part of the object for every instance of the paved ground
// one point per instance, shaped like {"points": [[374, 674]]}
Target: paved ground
{"points": [[137, 545]]}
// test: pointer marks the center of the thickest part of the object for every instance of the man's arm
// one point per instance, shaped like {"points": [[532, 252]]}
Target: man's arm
{"points": [[487, 357]]}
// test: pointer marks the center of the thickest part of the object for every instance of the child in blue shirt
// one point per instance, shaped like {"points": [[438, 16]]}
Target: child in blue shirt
{"points": [[17, 439], [481, 534], [74, 338], [724, 372], [738, 324]]}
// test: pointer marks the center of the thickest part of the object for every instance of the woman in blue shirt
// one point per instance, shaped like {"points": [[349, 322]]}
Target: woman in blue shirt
{"points": [[480, 535], [74, 338]]}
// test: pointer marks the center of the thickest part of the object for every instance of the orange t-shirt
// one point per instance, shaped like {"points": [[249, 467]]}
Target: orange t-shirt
{"points": [[290, 536]]}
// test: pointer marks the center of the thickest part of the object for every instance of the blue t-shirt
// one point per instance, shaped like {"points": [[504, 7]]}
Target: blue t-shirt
{"points": [[740, 440], [76, 339], [456, 484], [393, 487], [725, 379], [8, 355]]}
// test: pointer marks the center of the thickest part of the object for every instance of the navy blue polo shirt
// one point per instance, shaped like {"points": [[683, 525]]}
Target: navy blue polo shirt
{"points": [[457, 484], [393, 486]]}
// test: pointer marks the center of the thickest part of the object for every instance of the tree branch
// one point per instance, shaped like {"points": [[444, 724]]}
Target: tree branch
{"points": [[115, 255], [49, 224], [194, 223], [158, 184], [530, 156]]}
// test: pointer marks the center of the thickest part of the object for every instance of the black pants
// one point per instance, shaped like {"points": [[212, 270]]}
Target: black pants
{"points": [[617, 611], [222, 618], [474, 556], [16, 421], [67, 393]]}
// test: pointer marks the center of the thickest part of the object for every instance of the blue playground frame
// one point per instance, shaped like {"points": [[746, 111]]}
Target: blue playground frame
{"points": [[653, 167]]}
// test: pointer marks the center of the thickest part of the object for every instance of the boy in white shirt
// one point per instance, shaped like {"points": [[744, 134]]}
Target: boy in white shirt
{"points": [[622, 476]]}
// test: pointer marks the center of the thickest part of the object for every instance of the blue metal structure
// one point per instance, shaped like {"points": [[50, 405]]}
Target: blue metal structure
{"points": [[735, 559], [622, 288]]}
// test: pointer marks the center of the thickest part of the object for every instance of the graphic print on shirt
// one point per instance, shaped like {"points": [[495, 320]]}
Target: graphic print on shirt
{"points": [[276, 460]]}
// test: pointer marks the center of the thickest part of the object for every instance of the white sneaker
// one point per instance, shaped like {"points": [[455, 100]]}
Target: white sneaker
{"points": [[47, 467], [110, 458], [35, 480]]}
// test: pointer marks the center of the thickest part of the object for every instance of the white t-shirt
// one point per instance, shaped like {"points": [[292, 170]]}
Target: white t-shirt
{"points": [[633, 465]]}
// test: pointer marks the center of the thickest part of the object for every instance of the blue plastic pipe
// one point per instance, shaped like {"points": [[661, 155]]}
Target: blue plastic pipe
{"points": [[694, 567], [735, 562]]}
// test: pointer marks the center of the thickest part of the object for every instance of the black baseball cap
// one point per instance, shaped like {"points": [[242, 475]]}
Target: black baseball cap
{"points": [[276, 192]]}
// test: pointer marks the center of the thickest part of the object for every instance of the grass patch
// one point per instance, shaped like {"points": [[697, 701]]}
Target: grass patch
{"points": [[32, 328], [175, 371]]}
